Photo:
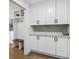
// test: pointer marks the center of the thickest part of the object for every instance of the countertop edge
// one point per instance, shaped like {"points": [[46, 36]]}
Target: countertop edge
{"points": [[50, 35]]}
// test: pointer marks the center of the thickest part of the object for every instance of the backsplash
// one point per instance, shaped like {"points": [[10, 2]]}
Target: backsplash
{"points": [[51, 28]]}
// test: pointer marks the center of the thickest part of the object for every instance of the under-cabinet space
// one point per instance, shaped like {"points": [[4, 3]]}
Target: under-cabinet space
{"points": [[51, 28]]}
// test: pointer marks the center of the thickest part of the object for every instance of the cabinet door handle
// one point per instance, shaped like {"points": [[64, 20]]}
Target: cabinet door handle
{"points": [[55, 39], [56, 20], [37, 37], [37, 21]]}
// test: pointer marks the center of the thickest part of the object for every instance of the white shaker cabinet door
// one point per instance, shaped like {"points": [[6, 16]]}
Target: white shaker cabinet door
{"points": [[50, 12], [43, 11], [33, 43], [62, 11], [68, 11], [50, 45], [42, 44], [32, 15], [62, 47]]}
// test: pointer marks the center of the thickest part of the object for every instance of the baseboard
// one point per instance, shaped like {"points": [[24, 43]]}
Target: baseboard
{"points": [[26, 52], [52, 55]]}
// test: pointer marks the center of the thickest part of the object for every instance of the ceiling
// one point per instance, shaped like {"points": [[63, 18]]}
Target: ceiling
{"points": [[33, 1]]}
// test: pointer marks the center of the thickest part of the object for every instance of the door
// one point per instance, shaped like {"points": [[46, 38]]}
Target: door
{"points": [[62, 11], [61, 46], [42, 44], [50, 45], [33, 43]]}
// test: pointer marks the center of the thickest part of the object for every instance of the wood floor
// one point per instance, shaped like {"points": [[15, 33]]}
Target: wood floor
{"points": [[15, 53]]}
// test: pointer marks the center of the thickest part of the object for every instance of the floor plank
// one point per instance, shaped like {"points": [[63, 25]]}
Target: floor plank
{"points": [[15, 53]]}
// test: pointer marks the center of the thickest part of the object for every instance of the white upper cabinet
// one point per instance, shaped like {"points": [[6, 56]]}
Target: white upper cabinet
{"points": [[50, 12], [32, 15], [62, 11], [42, 13], [68, 11]]}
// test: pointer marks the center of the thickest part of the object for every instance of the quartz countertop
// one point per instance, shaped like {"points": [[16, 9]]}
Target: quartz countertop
{"points": [[50, 34]]}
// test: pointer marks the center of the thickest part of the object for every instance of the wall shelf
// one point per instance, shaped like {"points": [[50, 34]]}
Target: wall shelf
{"points": [[48, 24]]}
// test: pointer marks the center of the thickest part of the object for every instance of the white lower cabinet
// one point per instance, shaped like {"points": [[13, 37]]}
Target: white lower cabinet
{"points": [[52, 45], [41, 44], [62, 47], [38, 43], [33, 43], [68, 48]]}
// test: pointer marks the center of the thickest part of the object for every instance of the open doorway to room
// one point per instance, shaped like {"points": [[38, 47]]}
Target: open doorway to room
{"points": [[16, 17]]}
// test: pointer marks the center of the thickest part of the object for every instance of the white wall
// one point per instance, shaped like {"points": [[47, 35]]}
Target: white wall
{"points": [[10, 37]]}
